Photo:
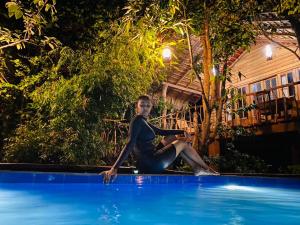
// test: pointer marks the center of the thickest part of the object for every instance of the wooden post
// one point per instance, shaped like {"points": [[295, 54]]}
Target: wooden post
{"points": [[176, 121], [171, 119], [164, 113], [214, 148], [196, 130]]}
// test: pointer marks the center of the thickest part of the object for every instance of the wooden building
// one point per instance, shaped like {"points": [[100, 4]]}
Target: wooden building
{"points": [[271, 83]]}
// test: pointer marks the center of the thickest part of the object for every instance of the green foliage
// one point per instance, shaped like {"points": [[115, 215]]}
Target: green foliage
{"points": [[34, 16], [81, 90], [294, 169], [14, 10], [229, 24], [34, 144], [233, 161], [291, 7]]}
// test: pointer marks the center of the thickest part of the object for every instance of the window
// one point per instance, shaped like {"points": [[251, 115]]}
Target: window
{"points": [[288, 79], [257, 87], [271, 83], [242, 102], [266, 84]]}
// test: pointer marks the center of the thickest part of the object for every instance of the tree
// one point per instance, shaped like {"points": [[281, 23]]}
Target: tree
{"points": [[67, 113], [22, 39], [222, 27], [52, 49]]}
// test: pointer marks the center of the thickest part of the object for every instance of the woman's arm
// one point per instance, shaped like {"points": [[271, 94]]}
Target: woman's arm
{"points": [[165, 132], [134, 130]]}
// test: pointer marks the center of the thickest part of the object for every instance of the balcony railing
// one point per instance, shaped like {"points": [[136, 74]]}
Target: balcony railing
{"points": [[274, 105]]}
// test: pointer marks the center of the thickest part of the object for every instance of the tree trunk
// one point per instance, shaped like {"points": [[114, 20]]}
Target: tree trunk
{"points": [[196, 129], [207, 65]]}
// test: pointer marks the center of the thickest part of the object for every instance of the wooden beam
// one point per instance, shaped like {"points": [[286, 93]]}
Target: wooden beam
{"points": [[164, 113], [183, 88]]}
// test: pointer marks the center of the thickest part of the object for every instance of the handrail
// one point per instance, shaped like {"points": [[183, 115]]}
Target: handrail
{"points": [[265, 91]]}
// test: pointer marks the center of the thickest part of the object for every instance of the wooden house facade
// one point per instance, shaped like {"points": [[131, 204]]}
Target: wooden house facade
{"points": [[270, 84]]}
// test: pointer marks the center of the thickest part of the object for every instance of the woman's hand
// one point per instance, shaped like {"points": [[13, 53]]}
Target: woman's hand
{"points": [[188, 137], [107, 175], [185, 137]]}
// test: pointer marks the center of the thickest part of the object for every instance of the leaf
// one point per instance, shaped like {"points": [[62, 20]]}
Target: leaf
{"points": [[11, 13], [51, 46], [12, 8], [18, 14], [11, 5], [19, 46], [35, 1], [48, 6]]}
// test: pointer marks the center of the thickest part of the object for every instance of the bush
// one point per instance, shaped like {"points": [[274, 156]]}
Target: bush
{"points": [[233, 161], [44, 145]]}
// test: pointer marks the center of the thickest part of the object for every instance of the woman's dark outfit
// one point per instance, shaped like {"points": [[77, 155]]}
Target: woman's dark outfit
{"points": [[150, 158]]}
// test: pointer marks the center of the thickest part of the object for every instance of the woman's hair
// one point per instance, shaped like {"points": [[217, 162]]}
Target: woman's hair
{"points": [[144, 97]]}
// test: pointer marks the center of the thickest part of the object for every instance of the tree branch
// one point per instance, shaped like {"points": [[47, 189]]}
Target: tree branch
{"points": [[14, 43]]}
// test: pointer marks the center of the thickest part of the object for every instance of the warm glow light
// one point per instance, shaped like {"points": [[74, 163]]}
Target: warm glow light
{"points": [[214, 71], [269, 52], [166, 53]]}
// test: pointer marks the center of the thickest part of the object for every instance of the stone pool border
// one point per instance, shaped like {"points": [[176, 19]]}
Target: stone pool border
{"points": [[15, 177], [35, 167]]}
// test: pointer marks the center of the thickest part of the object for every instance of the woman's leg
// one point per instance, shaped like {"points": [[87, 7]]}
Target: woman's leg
{"points": [[191, 156], [187, 152], [194, 165]]}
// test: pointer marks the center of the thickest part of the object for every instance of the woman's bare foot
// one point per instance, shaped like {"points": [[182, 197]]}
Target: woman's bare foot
{"points": [[208, 171]]}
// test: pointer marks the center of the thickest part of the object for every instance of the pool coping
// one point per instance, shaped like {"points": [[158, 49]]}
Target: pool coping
{"points": [[72, 168], [17, 177], [35, 167]]}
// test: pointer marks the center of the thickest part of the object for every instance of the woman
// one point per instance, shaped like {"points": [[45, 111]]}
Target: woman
{"points": [[152, 159]]}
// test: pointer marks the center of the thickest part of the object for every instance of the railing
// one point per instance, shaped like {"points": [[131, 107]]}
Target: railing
{"points": [[278, 104], [180, 119], [116, 131]]}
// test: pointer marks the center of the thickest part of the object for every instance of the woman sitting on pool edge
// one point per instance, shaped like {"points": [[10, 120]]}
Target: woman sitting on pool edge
{"points": [[150, 158]]}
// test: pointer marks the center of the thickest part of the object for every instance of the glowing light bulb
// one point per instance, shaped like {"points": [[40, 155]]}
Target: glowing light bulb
{"points": [[214, 71], [166, 53], [269, 52]]}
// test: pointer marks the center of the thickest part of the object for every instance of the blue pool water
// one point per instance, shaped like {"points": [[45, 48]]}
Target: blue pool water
{"points": [[43, 198]]}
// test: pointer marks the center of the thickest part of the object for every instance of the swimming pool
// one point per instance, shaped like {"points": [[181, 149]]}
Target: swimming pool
{"points": [[79, 199]]}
